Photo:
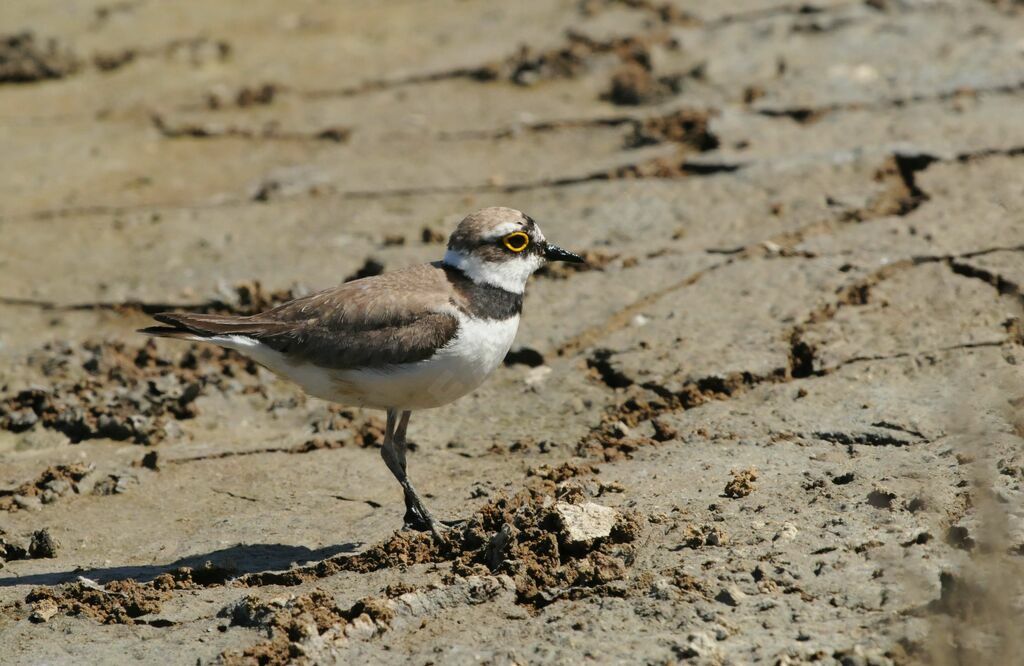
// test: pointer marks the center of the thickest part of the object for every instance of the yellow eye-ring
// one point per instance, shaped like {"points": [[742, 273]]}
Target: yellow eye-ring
{"points": [[516, 241]]}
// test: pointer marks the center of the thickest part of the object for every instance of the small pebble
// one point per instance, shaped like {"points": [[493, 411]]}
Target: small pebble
{"points": [[730, 596], [29, 503]]}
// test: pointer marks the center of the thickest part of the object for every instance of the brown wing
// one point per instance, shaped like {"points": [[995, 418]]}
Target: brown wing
{"points": [[372, 322]]}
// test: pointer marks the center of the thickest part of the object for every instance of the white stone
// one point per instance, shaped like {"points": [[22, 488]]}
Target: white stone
{"points": [[788, 531], [586, 522], [537, 375]]}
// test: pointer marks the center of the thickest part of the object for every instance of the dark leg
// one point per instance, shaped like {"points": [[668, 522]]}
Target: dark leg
{"points": [[403, 423], [393, 452], [414, 518], [416, 515]]}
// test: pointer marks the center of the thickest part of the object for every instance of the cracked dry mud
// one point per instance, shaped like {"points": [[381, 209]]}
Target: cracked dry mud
{"points": [[791, 372]]}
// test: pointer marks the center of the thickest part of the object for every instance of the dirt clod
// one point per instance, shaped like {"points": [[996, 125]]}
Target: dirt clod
{"points": [[529, 66], [256, 95], [43, 610], [43, 545], [539, 556], [633, 85], [563, 472], [53, 483], [741, 484], [306, 628], [150, 461], [114, 484], [11, 549], [689, 128], [703, 535], [663, 432], [24, 59], [121, 391], [542, 557], [369, 268], [367, 429], [117, 602], [285, 621], [249, 297], [432, 236], [843, 479], [524, 356], [120, 601]]}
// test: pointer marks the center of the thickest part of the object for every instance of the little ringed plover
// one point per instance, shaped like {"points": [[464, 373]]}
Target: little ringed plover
{"points": [[415, 338]]}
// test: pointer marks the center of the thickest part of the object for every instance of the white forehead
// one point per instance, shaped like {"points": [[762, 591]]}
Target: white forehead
{"points": [[505, 228]]}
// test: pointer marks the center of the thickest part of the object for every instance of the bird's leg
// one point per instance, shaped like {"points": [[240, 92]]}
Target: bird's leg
{"points": [[400, 443], [416, 514], [393, 452]]}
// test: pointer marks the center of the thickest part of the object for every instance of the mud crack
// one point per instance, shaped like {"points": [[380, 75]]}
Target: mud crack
{"points": [[270, 131], [687, 127], [526, 67], [613, 438], [244, 298], [1004, 286], [808, 115]]}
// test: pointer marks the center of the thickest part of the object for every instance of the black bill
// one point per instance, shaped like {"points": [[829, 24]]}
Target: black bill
{"points": [[555, 253]]}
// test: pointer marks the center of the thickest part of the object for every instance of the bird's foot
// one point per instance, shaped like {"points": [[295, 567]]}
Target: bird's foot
{"points": [[418, 519]]}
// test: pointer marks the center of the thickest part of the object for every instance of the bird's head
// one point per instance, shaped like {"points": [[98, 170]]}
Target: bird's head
{"points": [[502, 247]]}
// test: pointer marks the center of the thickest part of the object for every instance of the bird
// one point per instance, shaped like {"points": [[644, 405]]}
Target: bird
{"points": [[411, 339]]}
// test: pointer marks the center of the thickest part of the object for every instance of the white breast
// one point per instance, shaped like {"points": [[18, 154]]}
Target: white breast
{"points": [[453, 371]]}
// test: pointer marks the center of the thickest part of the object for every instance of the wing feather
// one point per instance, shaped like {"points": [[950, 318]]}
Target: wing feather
{"points": [[379, 321]]}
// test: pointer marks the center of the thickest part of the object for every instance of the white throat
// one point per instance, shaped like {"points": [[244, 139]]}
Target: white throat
{"points": [[510, 275]]}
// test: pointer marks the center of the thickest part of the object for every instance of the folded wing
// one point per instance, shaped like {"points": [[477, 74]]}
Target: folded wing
{"points": [[398, 317]]}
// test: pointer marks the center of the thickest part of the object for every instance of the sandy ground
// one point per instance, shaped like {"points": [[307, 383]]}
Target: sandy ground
{"points": [[792, 370]]}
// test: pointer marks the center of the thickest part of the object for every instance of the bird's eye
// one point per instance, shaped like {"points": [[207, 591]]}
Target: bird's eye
{"points": [[516, 241]]}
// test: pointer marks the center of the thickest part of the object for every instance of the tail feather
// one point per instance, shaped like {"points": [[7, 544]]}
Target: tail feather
{"points": [[167, 332], [193, 325]]}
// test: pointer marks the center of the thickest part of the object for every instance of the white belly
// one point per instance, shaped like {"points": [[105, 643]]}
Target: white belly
{"points": [[455, 370]]}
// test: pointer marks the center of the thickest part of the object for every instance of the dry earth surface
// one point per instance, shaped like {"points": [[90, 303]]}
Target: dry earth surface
{"points": [[792, 369]]}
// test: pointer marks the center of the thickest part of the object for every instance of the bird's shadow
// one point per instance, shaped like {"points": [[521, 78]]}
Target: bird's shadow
{"points": [[214, 566]]}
